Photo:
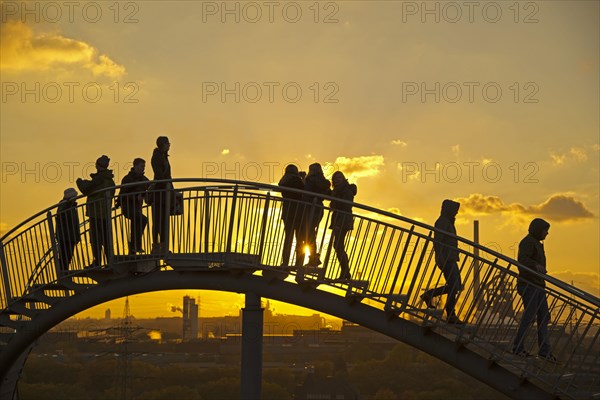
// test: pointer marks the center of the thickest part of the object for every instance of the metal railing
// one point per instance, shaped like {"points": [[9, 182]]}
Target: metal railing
{"points": [[233, 223]]}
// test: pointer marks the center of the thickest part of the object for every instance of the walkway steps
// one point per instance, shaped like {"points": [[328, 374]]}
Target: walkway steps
{"points": [[7, 321]]}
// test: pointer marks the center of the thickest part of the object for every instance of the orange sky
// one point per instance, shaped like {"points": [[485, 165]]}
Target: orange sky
{"points": [[494, 105]]}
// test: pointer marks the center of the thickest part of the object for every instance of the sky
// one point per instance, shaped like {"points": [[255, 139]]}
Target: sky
{"points": [[493, 104]]}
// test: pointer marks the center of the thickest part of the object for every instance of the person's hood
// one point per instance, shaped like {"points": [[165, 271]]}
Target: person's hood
{"points": [[346, 185], [354, 188], [537, 227], [288, 178], [291, 169], [450, 208]]}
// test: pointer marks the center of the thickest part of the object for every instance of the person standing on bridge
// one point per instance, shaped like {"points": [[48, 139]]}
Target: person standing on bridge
{"points": [[98, 207], [530, 286], [131, 201], [445, 248], [291, 215], [160, 213], [342, 220], [67, 230], [315, 182]]}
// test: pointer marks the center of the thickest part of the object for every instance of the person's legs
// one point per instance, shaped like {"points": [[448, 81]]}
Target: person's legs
{"points": [[527, 293], [543, 318], [300, 234], [452, 287], [138, 223], [428, 295], [105, 238], [160, 219], [339, 237], [156, 222], [65, 255], [287, 242], [311, 240], [95, 241]]}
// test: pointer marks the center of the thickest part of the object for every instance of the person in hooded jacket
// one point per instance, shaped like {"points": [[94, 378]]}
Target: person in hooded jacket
{"points": [[291, 215], [342, 220], [530, 286], [445, 248], [131, 201], [98, 207], [160, 214], [67, 230], [315, 182]]}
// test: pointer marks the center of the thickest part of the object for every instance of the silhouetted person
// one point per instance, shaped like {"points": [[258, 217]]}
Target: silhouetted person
{"points": [[446, 258], [292, 215], [131, 200], [315, 182], [342, 220], [98, 207], [160, 212], [67, 230], [530, 287]]}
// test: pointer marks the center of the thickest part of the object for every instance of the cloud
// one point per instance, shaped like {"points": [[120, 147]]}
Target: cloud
{"points": [[577, 154], [225, 152], [399, 142], [557, 159], [24, 50], [588, 282], [559, 207], [455, 149], [359, 167]]}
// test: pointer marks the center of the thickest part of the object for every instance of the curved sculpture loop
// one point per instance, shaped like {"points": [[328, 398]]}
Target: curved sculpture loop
{"points": [[228, 235]]}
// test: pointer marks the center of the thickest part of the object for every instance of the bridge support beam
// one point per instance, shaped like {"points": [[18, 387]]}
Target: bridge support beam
{"points": [[252, 339]]}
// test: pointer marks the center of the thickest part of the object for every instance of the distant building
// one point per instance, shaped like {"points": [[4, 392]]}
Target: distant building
{"points": [[107, 314], [190, 319]]}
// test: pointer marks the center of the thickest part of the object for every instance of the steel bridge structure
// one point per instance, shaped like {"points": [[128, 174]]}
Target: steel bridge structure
{"points": [[230, 237]]}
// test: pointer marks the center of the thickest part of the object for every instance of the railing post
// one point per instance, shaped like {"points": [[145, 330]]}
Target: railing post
{"points": [[167, 221], [5, 279], [231, 220], [54, 246], [206, 220], [477, 263], [109, 249], [263, 228]]}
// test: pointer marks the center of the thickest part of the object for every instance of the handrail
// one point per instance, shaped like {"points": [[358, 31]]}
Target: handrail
{"points": [[258, 186], [390, 257]]}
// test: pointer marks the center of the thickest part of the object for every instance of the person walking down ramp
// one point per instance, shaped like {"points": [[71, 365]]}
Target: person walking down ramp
{"points": [[530, 286], [445, 248]]}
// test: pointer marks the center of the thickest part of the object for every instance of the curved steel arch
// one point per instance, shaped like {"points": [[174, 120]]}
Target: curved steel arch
{"points": [[412, 334]]}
